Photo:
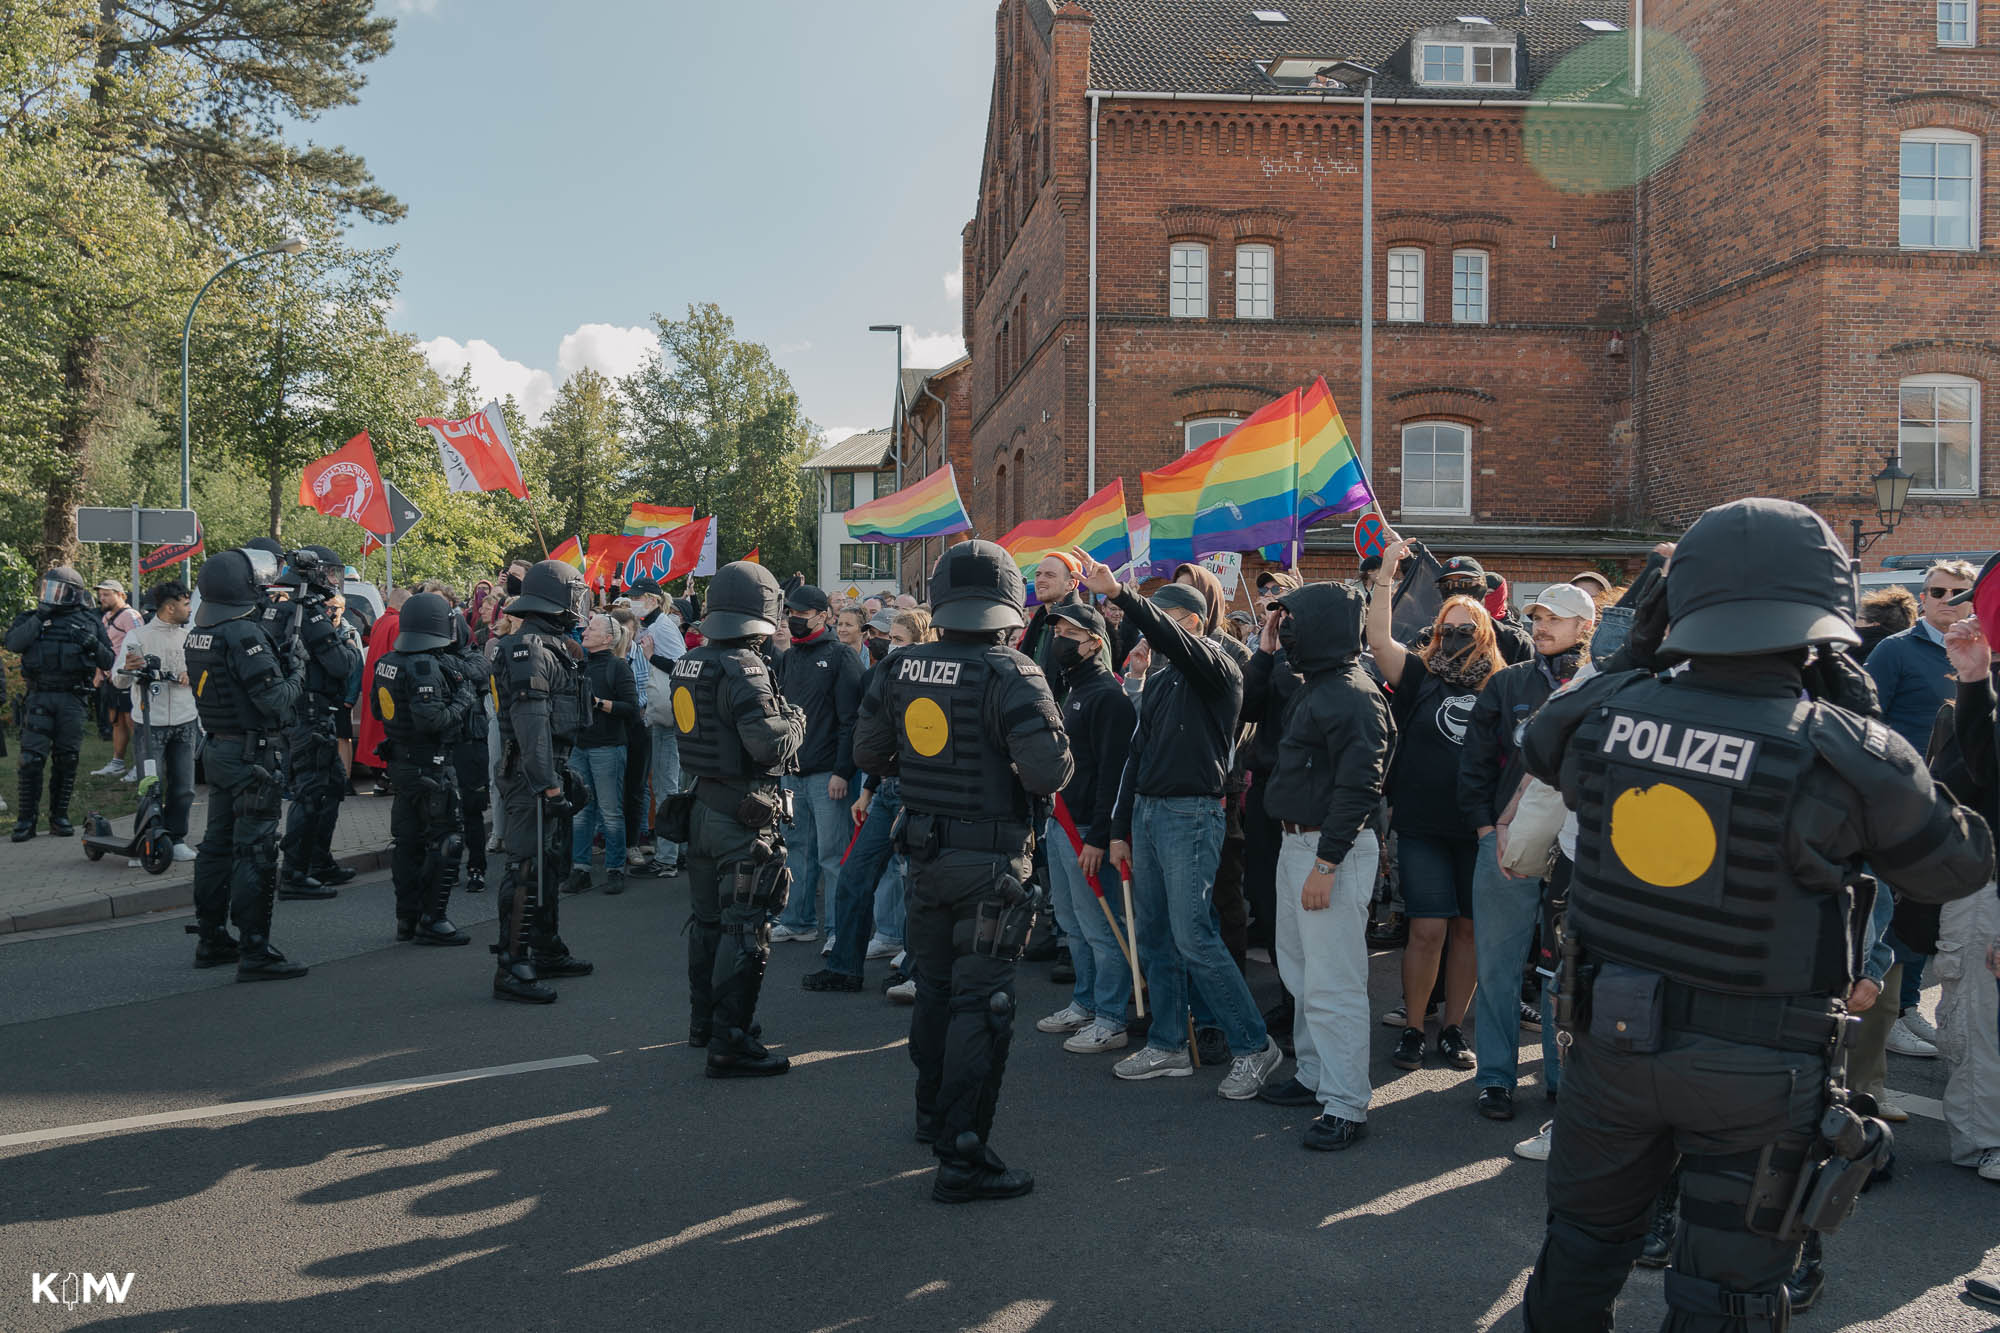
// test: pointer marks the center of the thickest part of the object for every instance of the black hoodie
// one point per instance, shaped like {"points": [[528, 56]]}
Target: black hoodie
{"points": [[1337, 735], [1099, 720]]}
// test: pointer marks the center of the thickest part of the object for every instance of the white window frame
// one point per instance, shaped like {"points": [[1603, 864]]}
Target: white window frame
{"points": [[1187, 280], [1464, 507], [1405, 289], [1202, 426], [1468, 57], [1940, 137], [1934, 383], [1462, 311], [1948, 18], [1256, 266]]}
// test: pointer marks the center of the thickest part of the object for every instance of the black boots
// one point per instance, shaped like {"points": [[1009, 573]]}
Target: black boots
{"points": [[737, 1054], [552, 958], [215, 948], [27, 798], [24, 829], [258, 961], [515, 979], [334, 874], [974, 1171], [435, 930], [62, 781], [298, 885]]}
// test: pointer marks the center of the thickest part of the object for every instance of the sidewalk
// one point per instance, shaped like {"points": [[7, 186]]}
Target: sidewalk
{"points": [[47, 881]]}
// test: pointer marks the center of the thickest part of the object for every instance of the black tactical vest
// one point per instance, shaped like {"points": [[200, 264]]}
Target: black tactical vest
{"points": [[1685, 797], [329, 661], [281, 620], [709, 744], [534, 664], [948, 764], [226, 665], [400, 679], [63, 655]]}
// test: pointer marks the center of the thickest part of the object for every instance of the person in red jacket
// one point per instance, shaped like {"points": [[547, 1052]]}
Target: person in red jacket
{"points": [[381, 640]]}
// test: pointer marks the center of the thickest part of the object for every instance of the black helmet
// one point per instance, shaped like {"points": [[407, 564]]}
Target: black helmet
{"points": [[426, 624], [743, 599], [552, 588], [977, 586], [62, 586], [1758, 576], [266, 558], [313, 567], [229, 588]]}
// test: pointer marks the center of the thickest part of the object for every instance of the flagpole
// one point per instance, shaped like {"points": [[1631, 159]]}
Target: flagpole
{"points": [[538, 532]]}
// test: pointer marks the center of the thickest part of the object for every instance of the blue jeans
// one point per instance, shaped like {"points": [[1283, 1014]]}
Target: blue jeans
{"points": [[172, 749], [1176, 845], [602, 769], [813, 847], [856, 893], [666, 775], [1505, 912], [1103, 980], [1912, 990], [890, 912]]}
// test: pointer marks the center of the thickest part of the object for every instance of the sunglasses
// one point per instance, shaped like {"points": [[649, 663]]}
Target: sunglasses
{"points": [[1942, 593], [1460, 586]]}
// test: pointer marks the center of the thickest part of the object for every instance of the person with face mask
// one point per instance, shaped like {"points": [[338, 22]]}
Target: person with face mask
{"points": [[822, 676], [1508, 907], [62, 646], [659, 644]]}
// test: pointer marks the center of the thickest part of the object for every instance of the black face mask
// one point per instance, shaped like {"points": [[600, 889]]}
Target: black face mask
{"points": [[1455, 639], [1288, 636], [513, 585], [1068, 653], [878, 649], [799, 628]]}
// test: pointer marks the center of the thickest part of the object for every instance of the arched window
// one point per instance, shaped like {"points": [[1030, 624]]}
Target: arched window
{"points": [[1019, 507], [1938, 190], [1937, 433], [1196, 433], [1437, 457], [1000, 498]]}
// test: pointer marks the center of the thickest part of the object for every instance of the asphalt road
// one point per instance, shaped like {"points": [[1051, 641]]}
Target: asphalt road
{"points": [[621, 1189]]}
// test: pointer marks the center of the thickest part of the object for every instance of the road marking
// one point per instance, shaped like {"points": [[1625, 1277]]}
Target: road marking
{"points": [[1928, 1107], [265, 1104]]}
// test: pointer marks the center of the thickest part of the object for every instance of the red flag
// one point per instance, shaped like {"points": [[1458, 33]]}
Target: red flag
{"points": [[605, 555], [160, 557], [347, 484], [670, 556], [755, 556], [476, 452], [370, 543]]}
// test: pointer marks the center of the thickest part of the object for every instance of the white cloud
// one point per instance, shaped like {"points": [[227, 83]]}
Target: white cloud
{"points": [[606, 349], [931, 350], [954, 285], [494, 374], [835, 434]]}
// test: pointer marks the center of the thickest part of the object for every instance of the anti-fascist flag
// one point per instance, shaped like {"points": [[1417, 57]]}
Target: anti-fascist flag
{"points": [[347, 484], [476, 452]]}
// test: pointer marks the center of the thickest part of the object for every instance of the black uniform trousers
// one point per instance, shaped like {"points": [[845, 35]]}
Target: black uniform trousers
{"points": [[528, 905], [469, 759], [1622, 1123], [424, 826], [716, 844], [318, 784], [963, 1022], [236, 865], [51, 735]]}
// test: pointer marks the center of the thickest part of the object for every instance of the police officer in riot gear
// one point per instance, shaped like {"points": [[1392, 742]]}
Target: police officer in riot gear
{"points": [[423, 698], [468, 752], [317, 777], [738, 737], [971, 728], [243, 693], [62, 645], [543, 698], [1724, 814]]}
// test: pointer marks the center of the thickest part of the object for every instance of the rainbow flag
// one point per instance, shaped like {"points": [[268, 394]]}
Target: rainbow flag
{"points": [[930, 508], [652, 520], [1330, 478], [1233, 493], [1097, 525], [570, 552]]}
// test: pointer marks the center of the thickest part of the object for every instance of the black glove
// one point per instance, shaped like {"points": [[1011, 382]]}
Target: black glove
{"points": [[1832, 677], [1649, 629]]}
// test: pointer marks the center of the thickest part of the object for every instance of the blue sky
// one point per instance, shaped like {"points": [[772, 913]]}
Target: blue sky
{"points": [[572, 169]]}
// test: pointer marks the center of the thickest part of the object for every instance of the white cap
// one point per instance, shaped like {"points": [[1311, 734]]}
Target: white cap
{"points": [[1566, 599], [111, 585]]}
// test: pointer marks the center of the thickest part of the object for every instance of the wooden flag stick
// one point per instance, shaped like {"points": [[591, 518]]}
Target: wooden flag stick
{"points": [[1138, 981], [1132, 947]]}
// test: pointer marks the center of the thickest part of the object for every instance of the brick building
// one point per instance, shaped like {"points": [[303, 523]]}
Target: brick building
{"points": [[1566, 365], [937, 429]]}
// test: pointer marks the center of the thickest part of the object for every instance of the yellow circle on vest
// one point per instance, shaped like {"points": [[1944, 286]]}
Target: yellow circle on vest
{"points": [[924, 724], [1662, 835], [386, 702], [684, 710]]}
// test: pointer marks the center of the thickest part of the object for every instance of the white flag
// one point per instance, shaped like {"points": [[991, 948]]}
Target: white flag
{"points": [[706, 565]]}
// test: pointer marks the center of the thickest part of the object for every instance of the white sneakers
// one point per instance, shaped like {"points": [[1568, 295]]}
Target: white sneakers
{"points": [[110, 770], [903, 992], [881, 948], [183, 852], [1907, 1037], [1097, 1036], [1537, 1148], [783, 934], [1893, 1112], [131, 775], [1989, 1164], [1066, 1019], [1248, 1072], [1152, 1062]]}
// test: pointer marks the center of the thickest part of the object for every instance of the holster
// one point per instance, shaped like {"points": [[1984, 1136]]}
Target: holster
{"points": [[1005, 919], [676, 817], [1849, 1150]]}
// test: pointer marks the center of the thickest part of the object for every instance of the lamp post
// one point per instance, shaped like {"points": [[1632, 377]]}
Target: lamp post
{"points": [[896, 427], [1892, 489], [291, 245], [1347, 71]]}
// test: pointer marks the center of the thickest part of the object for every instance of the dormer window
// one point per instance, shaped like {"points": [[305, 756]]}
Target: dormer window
{"points": [[1465, 65]]}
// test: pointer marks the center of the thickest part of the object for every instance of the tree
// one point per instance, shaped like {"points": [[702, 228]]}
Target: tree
{"points": [[576, 460], [712, 422]]}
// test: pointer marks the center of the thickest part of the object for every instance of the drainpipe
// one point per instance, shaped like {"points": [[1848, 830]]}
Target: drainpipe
{"points": [[1090, 429]]}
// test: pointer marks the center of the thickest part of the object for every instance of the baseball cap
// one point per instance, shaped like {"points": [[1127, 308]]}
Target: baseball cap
{"points": [[1462, 567], [881, 620], [1082, 615], [111, 585], [1180, 597], [807, 598], [1566, 599], [650, 587], [1603, 584]]}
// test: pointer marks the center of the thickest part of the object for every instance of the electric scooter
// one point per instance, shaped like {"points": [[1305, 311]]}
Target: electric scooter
{"points": [[149, 842]]}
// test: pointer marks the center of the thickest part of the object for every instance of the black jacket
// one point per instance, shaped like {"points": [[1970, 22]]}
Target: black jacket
{"points": [[1490, 771], [1334, 750], [1038, 643], [610, 676], [1099, 720], [1269, 683], [824, 678], [1187, 715]]}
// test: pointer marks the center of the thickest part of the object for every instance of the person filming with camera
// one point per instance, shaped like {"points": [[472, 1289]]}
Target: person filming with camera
{"points": [[153, 666]]}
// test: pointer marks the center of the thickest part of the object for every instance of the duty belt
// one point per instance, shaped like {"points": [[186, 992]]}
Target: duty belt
{"points": [[725, 799], [1786, 1022], [968, 835]]}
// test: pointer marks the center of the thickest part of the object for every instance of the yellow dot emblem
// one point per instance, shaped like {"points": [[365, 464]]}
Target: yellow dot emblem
{"points": [[684, 710], [385, 703], [924, 724], [1662, 835]]}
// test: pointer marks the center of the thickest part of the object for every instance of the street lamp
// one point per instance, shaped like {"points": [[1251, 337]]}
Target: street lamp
{"points": [[1892, 490], [896, 427], [1347, 71], [291, 245]]}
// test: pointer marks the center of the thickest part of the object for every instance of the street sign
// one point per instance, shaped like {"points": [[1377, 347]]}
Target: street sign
{"points": [[153, 526], [403, 512]]}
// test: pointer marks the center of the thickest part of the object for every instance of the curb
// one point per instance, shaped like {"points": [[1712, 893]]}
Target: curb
{"points": [[139, 899]]}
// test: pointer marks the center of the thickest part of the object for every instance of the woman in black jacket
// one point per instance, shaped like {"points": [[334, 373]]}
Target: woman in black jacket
{"points": [[599, 757]]}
